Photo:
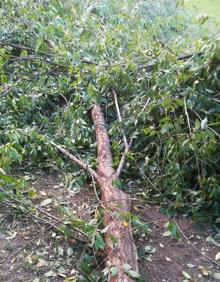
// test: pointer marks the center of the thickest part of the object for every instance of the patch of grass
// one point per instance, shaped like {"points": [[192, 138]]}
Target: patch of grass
{"points": [[209, 7]]}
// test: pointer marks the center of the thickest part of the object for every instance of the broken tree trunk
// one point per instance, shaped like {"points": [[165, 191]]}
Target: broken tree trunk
{"points": [[117, 207], [120, 249]]}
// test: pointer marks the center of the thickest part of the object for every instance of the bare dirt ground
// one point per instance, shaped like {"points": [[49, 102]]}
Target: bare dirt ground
{"points": [[32, 250]]}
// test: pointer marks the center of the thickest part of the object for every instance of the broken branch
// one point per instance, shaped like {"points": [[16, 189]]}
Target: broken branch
{"points": [[123, 159], [127, 145], [119, 118], [75, 160]]}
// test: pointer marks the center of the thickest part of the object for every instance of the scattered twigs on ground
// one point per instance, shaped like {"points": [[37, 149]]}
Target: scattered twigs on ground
{"points": [[194, 247], [48, 216], [10, 256]]}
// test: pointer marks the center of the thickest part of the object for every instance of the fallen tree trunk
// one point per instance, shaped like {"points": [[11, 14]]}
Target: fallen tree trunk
{"points": [[117, 207], [120, 251]]}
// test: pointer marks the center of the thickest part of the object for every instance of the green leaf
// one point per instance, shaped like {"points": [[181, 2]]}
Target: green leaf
{"points": [[128, 270], [113, 240], [117, 183], [99, 242], [114, 270], [61, 270]]}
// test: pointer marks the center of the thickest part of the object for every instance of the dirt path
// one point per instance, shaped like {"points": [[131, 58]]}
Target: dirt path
{"points": [[31, 250]]}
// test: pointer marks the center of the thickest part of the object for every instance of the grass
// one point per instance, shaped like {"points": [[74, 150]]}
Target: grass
{"points": [[209, 7]]}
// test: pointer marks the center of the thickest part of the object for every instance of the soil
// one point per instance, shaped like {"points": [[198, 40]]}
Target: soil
{"points": [[33, 250], [174, 259]]}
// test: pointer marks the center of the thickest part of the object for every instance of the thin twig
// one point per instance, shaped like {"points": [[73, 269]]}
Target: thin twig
{"points": [[127, 145], [148, 100], [7, 88], [97, 197], [9, 257], [187, 116], [59, 220], [194, 247], [33, 58], [48, 215], [149, 67], [120, 119], [123, 159], [22, 47]]}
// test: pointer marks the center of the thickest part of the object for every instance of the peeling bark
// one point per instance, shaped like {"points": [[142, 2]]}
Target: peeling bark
{"points": [[117, 206], [121, 251]]}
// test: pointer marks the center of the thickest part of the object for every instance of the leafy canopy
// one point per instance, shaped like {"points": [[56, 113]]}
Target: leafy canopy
{"points": [[58, 57]]}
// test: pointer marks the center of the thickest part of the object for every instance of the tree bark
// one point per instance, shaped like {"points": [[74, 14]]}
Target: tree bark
{"points": [[120, 250], [116, 207]]}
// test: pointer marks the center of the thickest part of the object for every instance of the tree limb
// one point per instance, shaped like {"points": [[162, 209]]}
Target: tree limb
{"points": [[33, 58], [119, 118], [75, 160], [149, 66], [187, 116], [22, 47], [127, 145], [123, 159], [194, 247]]}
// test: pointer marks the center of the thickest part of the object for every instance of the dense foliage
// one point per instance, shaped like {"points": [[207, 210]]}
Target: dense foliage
{"points": [[58, 57]]}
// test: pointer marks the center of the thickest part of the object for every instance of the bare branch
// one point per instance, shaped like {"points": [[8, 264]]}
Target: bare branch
{"points": [[194, 247], [48, 215], [210, 128], [149, 67], [75, 160], [31, 50], [22, 47], [123, 159], [33, 58], [148, 100], [40, 218], [127, 146], [187, 116], [119, 118]]}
